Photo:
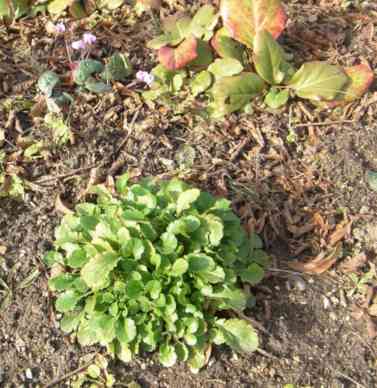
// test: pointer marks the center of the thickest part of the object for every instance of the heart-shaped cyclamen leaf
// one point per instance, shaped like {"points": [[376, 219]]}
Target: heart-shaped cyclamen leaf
{"points": [[244, 18], [175, 58], [47, 82], [318, 81], [204, 22], [226, 47], [225, 67]]}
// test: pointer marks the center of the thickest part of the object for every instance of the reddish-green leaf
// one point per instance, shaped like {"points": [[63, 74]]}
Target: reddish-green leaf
{"points": [[318, 81], [204, 58], [244, 18], [226, 47], [175, 58]]}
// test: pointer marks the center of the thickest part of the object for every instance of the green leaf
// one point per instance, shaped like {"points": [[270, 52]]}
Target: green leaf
{"points": [[61, 282], [243, 18], [96, 86], [67, 301], [53, 257], [186, 199], [181, 351], [126, 331], [180, 266], [169, 243], [167, 355], [232, 298], [372, 179], [77, 259], [121, 183], [276, 98], [70, 321], [134, 288], [204, 22], [93, 371], [58, 6], [5, 10], [240, 335], [226, 47], [233, 93], [200, 262], [204, 57], [253, 274], [197, 360], [216, 230], [86, 335], [215, 276], [96, 271], [85, 69], [268, 58], [47, 82], [175, 58], [200, 83], [118, 68], [318, 81], [104, 326], [225, 67]]}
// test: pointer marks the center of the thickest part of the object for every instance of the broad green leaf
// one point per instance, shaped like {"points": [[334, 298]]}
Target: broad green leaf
{"points": [[118, 68], [216, 229], [318, 81], [186, 199], [84, 69], [204, 22], [200, 83], [169, 243], [121, 183], [243, 18], [215, 276], [178, 57], [276, 98], [240, 335], [232, 298], [154, 288], [70, 321], [124, 353], [86, 335], [67, 301], [233, 93], [226, 47], [47, 82], [134, 288], [96, 271], [179, 267], [97, 86], [61, 282], [372, 179], [58, 6], [5, 9], [197, 360], [104, 326], [126, 330], [204, 56], [77, 259], [268, 58], [167, 355], [181, 351], [253, 274], [93, 371], [200, 262], [53, 257], [225, 67]]}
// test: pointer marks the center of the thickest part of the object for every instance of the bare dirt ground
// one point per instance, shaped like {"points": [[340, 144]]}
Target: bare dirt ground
{"points": [[297, 176]]}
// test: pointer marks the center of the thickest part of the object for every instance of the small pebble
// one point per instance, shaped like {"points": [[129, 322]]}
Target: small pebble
{"points": [[28, 374], [326, 303]]}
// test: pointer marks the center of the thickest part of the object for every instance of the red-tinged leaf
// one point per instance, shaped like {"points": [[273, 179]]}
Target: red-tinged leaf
{"points": [[175, 58], [244, 18]]}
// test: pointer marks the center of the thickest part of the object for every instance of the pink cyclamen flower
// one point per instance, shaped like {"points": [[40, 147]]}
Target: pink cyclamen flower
{"points": [[78, 45], [59, 28], [144, 76], [89, 38]]}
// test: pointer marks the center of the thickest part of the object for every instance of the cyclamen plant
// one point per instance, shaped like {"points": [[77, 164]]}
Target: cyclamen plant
{"points": [[156, 267], [235, 62]]}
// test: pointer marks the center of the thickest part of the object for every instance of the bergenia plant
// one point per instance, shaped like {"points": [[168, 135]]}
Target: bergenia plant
{"points": [[233, 62], [156, 267]]}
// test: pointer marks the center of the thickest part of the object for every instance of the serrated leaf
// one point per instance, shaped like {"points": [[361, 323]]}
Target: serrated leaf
{"points": [[104, 326], [199, 262], [318, 81], [70, 321], [276, 98], [53, 257], [200, 83], [179, 267], [77, 259], [67, 301], [240, 335], [167, 355], [95, 272], [226, 47], [268, 58], [186, 199], [86, 335], [233, 93], [225, 67], [85, 69], [232, 298], [169, 243], [47, 82], [61, 282], [243, 18], [175, 58], [118, 68], [216, 230]]}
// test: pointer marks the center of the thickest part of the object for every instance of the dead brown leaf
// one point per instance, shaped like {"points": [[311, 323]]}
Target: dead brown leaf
{"points": [[354, 263], [318, 265], [3, 249], [341, 231], [61, 207]]}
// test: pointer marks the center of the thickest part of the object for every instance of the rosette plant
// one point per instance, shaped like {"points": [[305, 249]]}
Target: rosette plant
{"points": [[156, 267], [231, 55]]}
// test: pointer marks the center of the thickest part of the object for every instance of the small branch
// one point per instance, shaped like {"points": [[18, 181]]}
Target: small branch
{"points": [[358, 385], [324, 124], [266, 354]]}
